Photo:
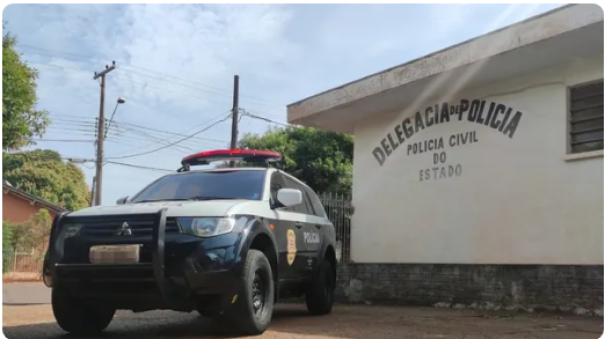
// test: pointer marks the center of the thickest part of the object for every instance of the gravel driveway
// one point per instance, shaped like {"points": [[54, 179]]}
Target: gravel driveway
{"points": [[346, 322]]}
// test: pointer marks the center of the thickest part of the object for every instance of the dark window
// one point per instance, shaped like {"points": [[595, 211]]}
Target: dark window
{"points": [[277, 183], [586, 115], [307, 198], [317, 206], [307, 207], [220, 184], [306, 193]]}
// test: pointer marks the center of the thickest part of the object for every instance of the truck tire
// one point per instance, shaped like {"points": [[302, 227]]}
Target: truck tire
{"points": [[253, 310], [80, 316], [320, 293]]}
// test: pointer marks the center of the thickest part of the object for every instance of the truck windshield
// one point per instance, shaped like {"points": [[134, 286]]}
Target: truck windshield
{"points": [[205, 186]]}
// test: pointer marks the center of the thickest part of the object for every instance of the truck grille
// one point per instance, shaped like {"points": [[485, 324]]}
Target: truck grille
{"points": [[102, 230], [108, 226]]}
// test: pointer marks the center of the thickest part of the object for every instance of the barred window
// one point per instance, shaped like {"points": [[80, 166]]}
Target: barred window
{"points": [[586, 117]]}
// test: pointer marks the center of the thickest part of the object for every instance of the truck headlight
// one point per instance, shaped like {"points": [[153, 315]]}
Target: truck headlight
{"points": [[70, 230], [206, 227]]}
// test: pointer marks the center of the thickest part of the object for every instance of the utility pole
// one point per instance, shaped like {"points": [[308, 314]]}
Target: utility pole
{"points": [[92, 192], [100, 134], [235, 115]]}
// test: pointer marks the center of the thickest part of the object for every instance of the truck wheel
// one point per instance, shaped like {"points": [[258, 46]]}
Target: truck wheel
{"points": [[252, 312], [320, 293], [80, 316]]}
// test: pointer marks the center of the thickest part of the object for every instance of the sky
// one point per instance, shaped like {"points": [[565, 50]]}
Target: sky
{"points": [[175, 66]]}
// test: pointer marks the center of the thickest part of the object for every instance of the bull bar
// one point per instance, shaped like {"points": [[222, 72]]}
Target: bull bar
{"points": [[55, 255]]}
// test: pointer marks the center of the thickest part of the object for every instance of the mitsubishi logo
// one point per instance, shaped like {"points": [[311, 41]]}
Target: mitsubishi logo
{"points": [[124, 229]]}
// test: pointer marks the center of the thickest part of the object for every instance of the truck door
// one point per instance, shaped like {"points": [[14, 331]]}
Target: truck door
{"points": [[288, 232]]}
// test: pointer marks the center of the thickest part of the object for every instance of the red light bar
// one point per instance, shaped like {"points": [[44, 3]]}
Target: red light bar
{"points": [[204, 158]]}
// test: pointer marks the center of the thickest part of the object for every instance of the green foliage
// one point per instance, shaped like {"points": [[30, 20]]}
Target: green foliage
{"points": [[20, 118], [43, 174], [321, 159], [7, 235], [7, 246], [32, 233]]}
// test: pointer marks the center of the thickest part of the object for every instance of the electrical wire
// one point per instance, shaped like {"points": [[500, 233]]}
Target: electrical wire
{"points": [[254, 116], [191, 129], [150, 140], [147, 85], [171, 144], [62, 140], [29, 153], [153, 138], [137, 132], [79, 57], [84, 161], [119, 122], [68, 119], [133, 148], [89, 167], [138, 166]]}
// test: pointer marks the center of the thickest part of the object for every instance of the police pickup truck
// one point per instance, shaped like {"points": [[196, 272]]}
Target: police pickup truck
{"points": [[225, 242]]}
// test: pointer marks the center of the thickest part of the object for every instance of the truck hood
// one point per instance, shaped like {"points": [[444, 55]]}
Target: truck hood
{"points": [[212, 208]]}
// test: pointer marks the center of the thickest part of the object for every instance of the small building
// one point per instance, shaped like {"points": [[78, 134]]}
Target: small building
{"points": [[20, 206], [478, 171]]}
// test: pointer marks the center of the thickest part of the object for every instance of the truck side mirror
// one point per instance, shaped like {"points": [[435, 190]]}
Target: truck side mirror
{"points": [[289, 197], [122, 200]]}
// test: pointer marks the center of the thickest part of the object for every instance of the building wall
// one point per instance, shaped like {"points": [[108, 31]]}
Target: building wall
{"points": [[508, 196], [16, 209], [564, 288]]}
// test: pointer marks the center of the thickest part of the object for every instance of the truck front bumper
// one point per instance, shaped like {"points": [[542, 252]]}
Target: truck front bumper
{"points": [[146, 285]]}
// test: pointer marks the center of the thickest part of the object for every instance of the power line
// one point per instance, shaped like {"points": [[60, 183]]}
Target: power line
{"points": [[139, 166], [148, 137], [172, 144], [87, 128], [83, 161], [137, 133], [136, 147], [74, 56], [254, 116], [69, 119], [62, 140], [163, 131], [38, 156], [150, 140], [140, 83], [147, 142], [194, 127], [177, 83], [145, 84]]}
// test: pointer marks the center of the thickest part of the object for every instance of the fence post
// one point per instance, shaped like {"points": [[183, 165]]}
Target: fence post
{"points": [[14, 262]]}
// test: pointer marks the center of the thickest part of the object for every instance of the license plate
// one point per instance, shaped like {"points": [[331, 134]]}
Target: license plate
{"points": [[114, 254]]}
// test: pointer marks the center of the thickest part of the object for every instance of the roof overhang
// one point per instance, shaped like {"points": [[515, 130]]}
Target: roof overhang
{"points": [[563, 35], [7, 188]]}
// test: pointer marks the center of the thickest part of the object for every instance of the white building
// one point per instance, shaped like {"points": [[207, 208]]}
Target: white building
{"points": [[489, 152]]}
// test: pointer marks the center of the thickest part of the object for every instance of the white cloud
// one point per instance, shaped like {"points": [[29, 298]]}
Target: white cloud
{"points": [[282, 53]]}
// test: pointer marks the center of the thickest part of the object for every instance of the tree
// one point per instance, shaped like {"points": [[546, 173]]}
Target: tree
{"points": [[321, 159], [7, 238], [42, 173], [26, 236], [7, 245], [32, 233], [20, 118]]}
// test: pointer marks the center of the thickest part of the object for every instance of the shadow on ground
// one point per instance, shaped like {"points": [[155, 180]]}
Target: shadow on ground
{"points": [[351, 322]]}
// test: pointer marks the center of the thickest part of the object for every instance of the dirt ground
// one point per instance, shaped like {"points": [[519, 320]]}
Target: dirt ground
{"points": [[346, 322]]}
